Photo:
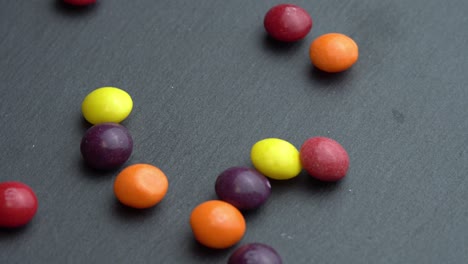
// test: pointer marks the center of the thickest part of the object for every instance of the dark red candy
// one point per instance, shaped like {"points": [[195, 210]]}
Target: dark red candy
{"points": [[18, 204], [255, 253], [287, 22], [106, 146], [80, 2], [244, 188], [324, 158]]}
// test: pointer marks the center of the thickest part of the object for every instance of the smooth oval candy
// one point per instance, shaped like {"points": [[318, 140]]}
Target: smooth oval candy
{"points": [[18, 204], [287, 22], [257, 253], [324, 159], [107, 104], [276, 158], [333, 52], [106, 146], [217, 224], [140, 186], [245, 188]]}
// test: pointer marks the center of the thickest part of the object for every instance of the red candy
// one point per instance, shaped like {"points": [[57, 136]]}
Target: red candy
{"points": [[80, 2], [324, 158], [286, 22], [18, 204]]}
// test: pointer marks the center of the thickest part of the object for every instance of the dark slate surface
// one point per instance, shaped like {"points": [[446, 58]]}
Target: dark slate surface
{"points": [[207, 84]]}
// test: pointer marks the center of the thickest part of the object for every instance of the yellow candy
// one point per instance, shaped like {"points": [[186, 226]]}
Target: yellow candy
{"points": [[106, 104], [276, 158]]}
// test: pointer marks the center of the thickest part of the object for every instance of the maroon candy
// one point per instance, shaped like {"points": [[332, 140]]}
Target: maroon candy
{"points": [[324, 159], [287, 22]]}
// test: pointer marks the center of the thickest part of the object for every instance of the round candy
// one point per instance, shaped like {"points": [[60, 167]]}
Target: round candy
{"points": [[18, 204], [324, 158], [140, 186], [287, 22], [255, 253], [217, 224], [106, 104], [276, 158], [80, 2], [244, 188], [333, 52], [106, 146]]}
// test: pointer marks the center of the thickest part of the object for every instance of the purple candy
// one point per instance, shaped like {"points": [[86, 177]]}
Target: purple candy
{"points": [[255, 253], [106, 146], [242, 187]]}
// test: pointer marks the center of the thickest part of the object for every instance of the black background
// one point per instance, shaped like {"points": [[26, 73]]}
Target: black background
{"points": [[207, 84]]}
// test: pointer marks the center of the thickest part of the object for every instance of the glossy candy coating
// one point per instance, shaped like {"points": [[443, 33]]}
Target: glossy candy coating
{"points": [[333, 52], [106, 146], [217, 224], [324, 159], [287, 22], [276, 158], [80, 2], [106, 104], [257, 253], [18, 204], [242, 187], [140, 186]]}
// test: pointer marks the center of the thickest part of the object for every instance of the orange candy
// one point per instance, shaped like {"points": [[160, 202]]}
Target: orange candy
{"points": [[217, 224], [141, 186], [333, 52]]}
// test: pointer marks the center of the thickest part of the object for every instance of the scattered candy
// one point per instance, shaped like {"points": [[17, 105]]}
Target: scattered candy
{"points": [[287, 22], [217, 224], [255, 253], [244, 188], [80, 2], [140, 186], [333, 52], [324, 158], [106, 104], [276, 158], [106, 146], [18, 204]]}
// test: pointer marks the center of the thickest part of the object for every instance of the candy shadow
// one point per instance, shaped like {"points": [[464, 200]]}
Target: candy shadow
{"points": [[95, 174], [251, 215], [202, 252], [7, 234], [212, 196], [84, 125], [280, 48], [126, 213], [317, 187], [280, 187], [326, 79], [71, 10], [306, 184]]}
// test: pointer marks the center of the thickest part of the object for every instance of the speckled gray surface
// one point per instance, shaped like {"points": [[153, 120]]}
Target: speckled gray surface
{"points": [[207, 83]]}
